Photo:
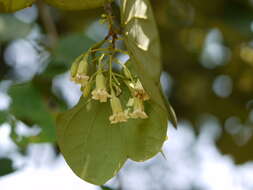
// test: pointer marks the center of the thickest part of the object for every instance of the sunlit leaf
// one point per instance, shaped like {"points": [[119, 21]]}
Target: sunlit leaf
{"points": [[143, 44], [76, 4], [141, 36], [14, 5]]}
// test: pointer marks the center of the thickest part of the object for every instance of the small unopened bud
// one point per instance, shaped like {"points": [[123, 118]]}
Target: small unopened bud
{"points": [[79, 71], [104, 16], [73, 70], [83, 66]]}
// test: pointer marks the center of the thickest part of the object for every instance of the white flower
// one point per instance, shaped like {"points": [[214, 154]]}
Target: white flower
{"points": [[138, 111], [118, 115], [100, 93]]}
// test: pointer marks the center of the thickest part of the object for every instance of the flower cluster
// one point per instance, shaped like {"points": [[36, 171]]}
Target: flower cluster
{"points": [[108, 86], [93, 71]]}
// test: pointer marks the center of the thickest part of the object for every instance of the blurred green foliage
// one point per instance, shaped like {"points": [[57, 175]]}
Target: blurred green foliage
{"points": [[106, 188], [184, 27], [28, 106], [186, 30], [6, 166], [3, 117], [11, 28]]}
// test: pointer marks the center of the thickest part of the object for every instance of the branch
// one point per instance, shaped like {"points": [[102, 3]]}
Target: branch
{"points": [[48, 24]]}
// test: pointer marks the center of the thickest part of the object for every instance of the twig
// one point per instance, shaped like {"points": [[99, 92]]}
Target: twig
{"points": [[48, 23], [113, 30]]}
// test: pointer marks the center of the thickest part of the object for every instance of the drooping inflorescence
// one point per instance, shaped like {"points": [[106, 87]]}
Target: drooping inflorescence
{"points": [[94, 71]]}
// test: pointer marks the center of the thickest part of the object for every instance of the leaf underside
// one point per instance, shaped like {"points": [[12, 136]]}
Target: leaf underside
{"points": [[93, 148], [96, 150], [143, 43]]}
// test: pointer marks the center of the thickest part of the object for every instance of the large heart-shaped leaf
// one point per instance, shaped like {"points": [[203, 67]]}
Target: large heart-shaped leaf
{"points": [[14, 5], [142, 41], [96, 150], [76, 4]]}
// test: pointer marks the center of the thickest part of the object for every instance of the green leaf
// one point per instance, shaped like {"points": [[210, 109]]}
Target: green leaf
{"points": [[29, 106], [65, 53], [103, 187], [93, 148], [14, 5], [141, 36], [5, 166], [96, 150], [143, 44], [3, 117], [76, 4]]}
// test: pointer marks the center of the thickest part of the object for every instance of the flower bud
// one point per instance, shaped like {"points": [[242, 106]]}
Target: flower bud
{"points": [[83, 66], [79, 71], [73, 69]]}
